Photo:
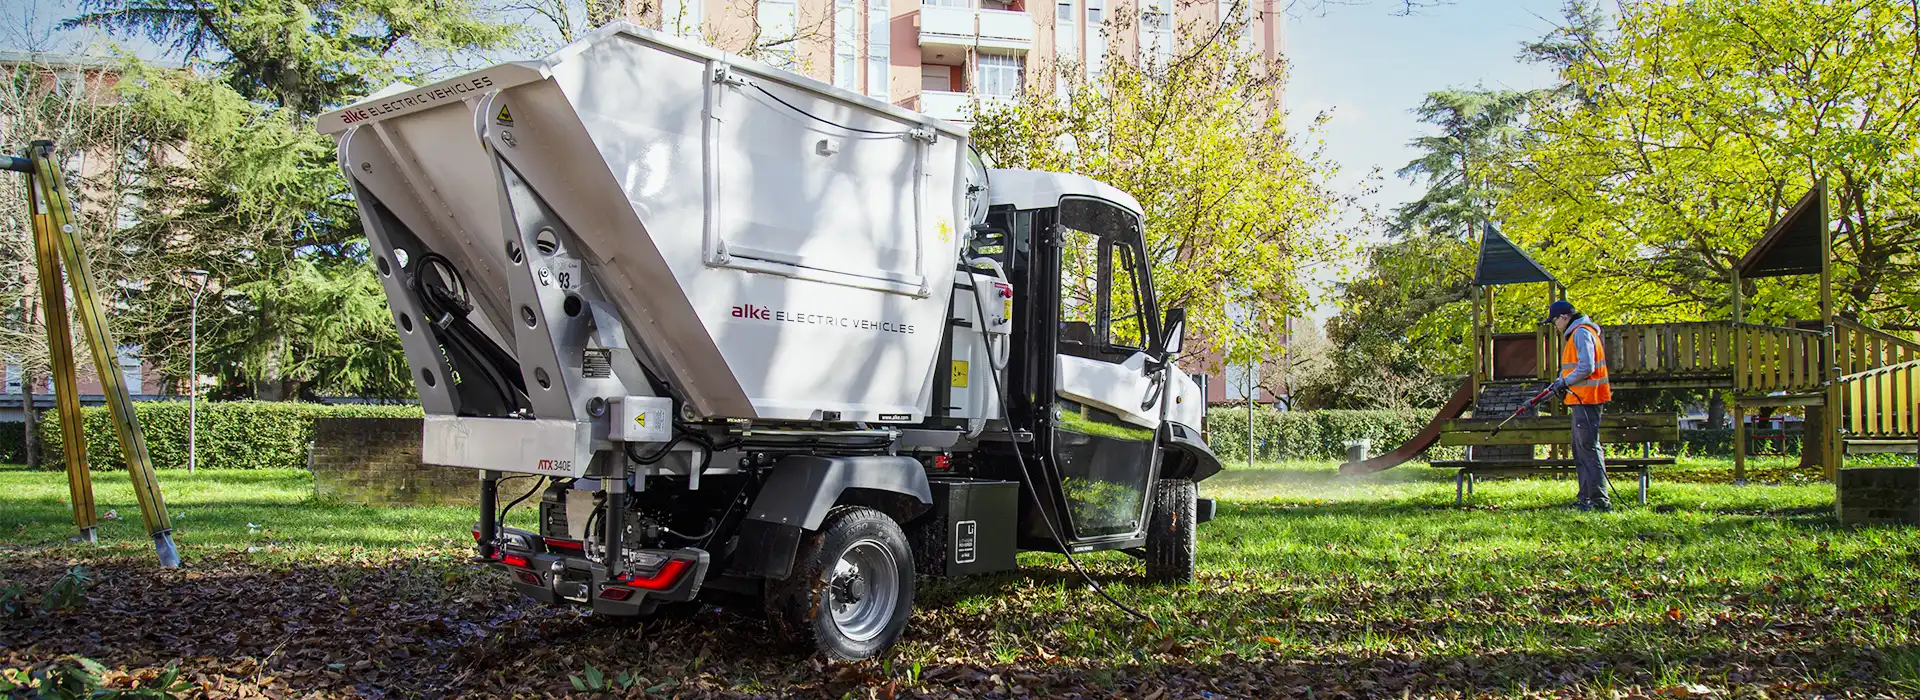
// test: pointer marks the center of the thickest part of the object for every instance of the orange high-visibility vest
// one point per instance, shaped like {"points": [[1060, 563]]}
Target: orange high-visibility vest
{"points": [[1595, 388]]}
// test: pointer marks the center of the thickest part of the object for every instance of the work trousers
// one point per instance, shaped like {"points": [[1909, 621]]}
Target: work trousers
{"points": [[1588, 463]]}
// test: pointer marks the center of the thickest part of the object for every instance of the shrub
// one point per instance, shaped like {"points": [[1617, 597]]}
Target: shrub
{"points": [[13, 443], [233, 434], [1308, 434]]}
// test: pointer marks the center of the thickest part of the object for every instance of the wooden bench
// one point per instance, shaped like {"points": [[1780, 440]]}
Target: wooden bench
{"points": [[1642, 428]]}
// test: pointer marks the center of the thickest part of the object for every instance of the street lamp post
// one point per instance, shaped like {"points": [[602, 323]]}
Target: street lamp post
{"points": [[193, 370]]}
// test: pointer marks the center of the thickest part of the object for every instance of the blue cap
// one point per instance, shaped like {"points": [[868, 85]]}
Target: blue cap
{"points": [[1559, 308]]}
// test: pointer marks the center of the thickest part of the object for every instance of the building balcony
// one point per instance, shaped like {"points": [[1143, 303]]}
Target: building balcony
{"points": [[955, 106], [1006, 30]]}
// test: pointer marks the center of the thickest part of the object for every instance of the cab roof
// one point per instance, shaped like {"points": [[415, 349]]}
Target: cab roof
{"points": [[1034, 189]]}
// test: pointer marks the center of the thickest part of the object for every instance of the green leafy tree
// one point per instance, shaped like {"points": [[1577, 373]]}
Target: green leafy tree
{"points": [[1476, 130], [230, 177], [1405, 319], [306, 57], [1234, 208], [1686, 128]]}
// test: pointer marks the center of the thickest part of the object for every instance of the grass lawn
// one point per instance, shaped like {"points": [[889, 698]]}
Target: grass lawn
{"points": [[1310, 583]]}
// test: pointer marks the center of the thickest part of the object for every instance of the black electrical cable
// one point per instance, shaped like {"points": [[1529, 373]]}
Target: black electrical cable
{"points": [[823, 120], [1033, 490], [523, 497], [449, 308]]}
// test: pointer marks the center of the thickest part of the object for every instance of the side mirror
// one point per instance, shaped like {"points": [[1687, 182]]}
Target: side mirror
{"points": [[1175, 330]]}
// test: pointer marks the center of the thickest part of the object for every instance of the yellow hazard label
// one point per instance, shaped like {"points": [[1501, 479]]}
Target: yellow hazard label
{"points": [[1006, 309], [640, 420], [504, 117], [960, 374]]}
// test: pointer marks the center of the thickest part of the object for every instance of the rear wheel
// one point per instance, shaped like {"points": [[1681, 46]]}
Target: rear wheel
{"points": [[851, 591], [1171, 540]]}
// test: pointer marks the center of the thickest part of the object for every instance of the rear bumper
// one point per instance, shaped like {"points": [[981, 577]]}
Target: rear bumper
{"points": [[574, 580]]}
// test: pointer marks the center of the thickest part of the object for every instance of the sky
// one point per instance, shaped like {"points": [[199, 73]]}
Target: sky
{"points": [[1368, 68]]}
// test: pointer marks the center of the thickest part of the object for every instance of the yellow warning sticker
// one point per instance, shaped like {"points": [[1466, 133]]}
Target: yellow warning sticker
{"points": [[505, 118], [1006, 308], [959, 374], [640, 420]]}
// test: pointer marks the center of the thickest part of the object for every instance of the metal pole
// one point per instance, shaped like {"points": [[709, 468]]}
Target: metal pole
{"points": [[193, 382]]}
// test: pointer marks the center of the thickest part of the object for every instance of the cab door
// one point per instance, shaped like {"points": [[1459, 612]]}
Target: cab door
{"points": [[1106, 383]]}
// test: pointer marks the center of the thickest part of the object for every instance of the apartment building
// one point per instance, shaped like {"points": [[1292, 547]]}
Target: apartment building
{"points": [[86, 78], [935, 55]]}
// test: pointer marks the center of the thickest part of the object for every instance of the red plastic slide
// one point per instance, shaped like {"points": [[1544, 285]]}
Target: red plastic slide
{"points": [[1421, 441]]}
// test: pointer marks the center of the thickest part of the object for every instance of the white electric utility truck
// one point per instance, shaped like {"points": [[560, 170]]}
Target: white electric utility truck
{"points": [[747, 337]]}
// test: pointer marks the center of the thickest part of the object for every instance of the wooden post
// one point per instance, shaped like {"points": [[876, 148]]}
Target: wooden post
{"points": [[1739, 296], [1478, 359], [1829, 371], [1739, 444]]}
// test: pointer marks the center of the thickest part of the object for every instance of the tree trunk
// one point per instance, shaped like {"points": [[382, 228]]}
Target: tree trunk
{"points": [[30, 442], [1813, 440], [1717, 411]]}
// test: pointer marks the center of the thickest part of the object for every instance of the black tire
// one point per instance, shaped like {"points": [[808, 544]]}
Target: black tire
{"points": [[1171, 540], [841, 607]]}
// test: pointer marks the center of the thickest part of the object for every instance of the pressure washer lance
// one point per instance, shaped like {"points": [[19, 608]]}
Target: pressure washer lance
{"points": [[1535, 401]]}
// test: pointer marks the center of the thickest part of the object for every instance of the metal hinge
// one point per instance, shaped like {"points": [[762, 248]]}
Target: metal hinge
{"points": [[724, 75], [923, 134]]}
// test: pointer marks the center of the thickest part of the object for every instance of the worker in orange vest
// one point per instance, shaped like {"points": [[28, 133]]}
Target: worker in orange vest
{"points": [[1583, 381]]}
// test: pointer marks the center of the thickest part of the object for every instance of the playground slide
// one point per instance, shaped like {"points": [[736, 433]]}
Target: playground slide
{"points": [[1425, 438]]}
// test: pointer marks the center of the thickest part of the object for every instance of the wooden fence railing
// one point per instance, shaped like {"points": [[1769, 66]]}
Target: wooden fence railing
{"points": [[1773, 358], [1757, 358], [1673, 350], [1859, 348], [1879, 403]]}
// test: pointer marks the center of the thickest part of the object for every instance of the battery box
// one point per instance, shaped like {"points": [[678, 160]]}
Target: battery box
{"points": [[970, 530]]}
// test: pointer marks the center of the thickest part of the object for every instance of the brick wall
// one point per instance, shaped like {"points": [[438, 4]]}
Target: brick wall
{"points": [[376, 461], [1878, 496]]}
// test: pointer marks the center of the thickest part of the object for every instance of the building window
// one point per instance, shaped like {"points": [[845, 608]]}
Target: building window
{"points": [[936, 78], [879, 40], [999, 75], [945, 3], [777, 35], [1096, 11], [1065, 29], [846, 63], [682, 18], [130, 367], [1156, 33], [13, 376]]}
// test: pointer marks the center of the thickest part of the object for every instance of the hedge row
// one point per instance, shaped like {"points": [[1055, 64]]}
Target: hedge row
{"points": [[1308, 434], [1324, 434], [232, 434]]}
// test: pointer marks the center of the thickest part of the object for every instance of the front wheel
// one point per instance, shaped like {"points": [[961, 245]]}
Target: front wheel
{"points": [[1171, 540], [851, 591]]}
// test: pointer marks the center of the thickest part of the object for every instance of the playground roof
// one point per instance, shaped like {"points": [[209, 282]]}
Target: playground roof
{"points": [[1792, 245], [1502, 262]]}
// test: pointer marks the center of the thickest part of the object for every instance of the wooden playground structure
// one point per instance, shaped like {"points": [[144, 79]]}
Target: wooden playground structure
{"points": [[1858, 385]]}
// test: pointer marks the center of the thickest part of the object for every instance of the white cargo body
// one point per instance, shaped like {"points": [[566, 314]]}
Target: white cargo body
{"points": [[756, 237]]}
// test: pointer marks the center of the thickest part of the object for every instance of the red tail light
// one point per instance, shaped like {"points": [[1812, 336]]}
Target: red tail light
{"points": [[574, 546], [942, 462], [668, 575], [616, 594], [515, 560]]}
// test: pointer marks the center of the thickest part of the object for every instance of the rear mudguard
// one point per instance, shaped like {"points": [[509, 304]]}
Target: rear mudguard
{"points": [[799, 491]]}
